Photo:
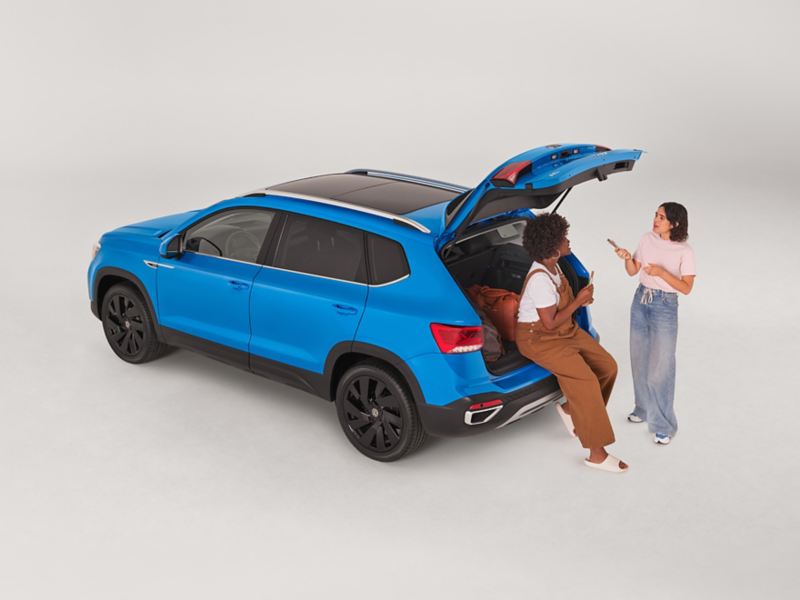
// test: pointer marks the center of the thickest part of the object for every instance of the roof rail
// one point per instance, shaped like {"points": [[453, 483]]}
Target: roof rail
{"points": [[452, 187], [331, 202]]}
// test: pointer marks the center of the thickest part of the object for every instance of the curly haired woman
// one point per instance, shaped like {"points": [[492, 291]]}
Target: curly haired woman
{"points": [[548, 335], [665, 263]]}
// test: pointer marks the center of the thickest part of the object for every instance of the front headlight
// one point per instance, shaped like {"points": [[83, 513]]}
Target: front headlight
{"points": [[95, 249]]}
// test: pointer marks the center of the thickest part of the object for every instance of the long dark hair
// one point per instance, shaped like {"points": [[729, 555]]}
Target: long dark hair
{"points": [[679, 219]]}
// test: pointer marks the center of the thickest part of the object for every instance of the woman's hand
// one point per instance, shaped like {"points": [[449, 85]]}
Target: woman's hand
{"points": [[623, 254], [654, 270], [681, 284], [631, 264], [552, 318], [585, 296]]}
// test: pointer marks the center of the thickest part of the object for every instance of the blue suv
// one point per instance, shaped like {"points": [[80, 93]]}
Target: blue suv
{"points": [[351, 286]]}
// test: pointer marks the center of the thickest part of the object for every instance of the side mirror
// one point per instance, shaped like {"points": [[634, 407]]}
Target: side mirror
{"points": [[171, 247]]}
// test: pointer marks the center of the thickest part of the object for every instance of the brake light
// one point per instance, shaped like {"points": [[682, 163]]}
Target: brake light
{"points": [[508, 175], [455, 340]]}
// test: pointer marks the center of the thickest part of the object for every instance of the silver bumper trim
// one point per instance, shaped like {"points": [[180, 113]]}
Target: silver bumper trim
{"points": [[534, 406], [492, 411]]}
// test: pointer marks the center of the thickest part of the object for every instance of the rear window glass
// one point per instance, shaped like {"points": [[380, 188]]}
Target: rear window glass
{"points": [[387, 260]]}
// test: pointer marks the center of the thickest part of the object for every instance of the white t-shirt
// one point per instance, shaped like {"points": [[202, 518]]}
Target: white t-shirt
{"points": [[676, 257], [542, 291]]}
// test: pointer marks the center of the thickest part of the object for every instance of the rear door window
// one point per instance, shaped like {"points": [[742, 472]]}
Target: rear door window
{"points": [[320, 247]]}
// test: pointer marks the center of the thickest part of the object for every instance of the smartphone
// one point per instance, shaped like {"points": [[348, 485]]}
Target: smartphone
{"points": [[613, 243], [591, 278]]}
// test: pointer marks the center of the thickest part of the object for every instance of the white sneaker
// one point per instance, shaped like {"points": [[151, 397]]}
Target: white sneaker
{"points": [[662, 438], [634, 419]]}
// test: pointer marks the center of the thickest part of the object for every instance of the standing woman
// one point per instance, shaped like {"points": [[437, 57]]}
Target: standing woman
{"points": [[548, 335], [665, 263]]}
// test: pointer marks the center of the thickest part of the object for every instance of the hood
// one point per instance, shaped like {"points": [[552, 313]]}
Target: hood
{"points": [[158, 226]]}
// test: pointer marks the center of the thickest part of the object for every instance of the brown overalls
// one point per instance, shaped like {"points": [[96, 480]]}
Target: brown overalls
{"points": [[585, 371]]}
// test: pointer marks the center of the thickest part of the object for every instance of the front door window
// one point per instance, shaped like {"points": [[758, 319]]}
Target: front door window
{"points": [[234, 234]]}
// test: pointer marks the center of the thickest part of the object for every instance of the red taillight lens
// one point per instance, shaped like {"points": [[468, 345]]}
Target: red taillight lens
{"points": [[488, 404], [452, 339]]}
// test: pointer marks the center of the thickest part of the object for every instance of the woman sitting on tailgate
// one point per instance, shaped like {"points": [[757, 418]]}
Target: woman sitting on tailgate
{"points": [[548, 335]]}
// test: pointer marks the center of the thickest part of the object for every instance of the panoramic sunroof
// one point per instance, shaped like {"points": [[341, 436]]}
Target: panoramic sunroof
{"points": [[397, 197]]}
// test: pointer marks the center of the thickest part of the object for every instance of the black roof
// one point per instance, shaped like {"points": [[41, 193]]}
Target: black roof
{"points": [[390, 195]]}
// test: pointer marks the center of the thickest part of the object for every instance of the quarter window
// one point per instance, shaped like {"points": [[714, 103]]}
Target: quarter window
{"points": [[235, 234], [320, 247], [387, 261]]}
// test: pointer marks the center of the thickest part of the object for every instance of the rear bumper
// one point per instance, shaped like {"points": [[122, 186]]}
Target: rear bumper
{"points": [[456, 418]]}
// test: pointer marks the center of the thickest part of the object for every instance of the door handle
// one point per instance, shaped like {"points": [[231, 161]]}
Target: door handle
{"points": [[344, 309], [238, 285]]}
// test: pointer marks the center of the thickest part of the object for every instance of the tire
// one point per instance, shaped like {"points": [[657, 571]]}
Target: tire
{"points": [[385, 425], [129, 326]]}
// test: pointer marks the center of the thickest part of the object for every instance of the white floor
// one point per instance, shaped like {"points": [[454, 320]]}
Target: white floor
{"points": [[188, 478]]}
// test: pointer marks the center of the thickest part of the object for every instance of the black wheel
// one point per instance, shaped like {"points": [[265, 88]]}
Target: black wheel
{"points": [[377, 413], [129, 326]]}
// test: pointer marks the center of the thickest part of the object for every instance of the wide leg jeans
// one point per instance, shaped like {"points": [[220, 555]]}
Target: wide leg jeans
{"points": [[654, 334]]}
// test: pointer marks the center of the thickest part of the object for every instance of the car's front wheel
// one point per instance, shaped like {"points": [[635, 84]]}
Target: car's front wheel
{"points": [[377, 413], [129, 326]]}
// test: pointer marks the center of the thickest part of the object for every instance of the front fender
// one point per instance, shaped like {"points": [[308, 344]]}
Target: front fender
{"points": [[98, 288]]}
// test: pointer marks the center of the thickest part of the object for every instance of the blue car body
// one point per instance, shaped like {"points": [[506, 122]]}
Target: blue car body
{"points": [[305, 329]]}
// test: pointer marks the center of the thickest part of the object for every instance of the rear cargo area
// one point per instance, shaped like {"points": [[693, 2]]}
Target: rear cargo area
{"points": [[495, 257]]}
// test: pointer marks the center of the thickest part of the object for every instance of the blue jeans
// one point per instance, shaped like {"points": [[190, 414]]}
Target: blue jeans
{"points": [[654, 333]]}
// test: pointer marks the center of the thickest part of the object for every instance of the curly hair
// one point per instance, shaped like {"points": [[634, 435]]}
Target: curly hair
{"points": [[544, 234], [679, 219]]}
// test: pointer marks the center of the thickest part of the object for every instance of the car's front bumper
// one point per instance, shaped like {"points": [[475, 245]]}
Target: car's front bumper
{"points": [[456, 418]]}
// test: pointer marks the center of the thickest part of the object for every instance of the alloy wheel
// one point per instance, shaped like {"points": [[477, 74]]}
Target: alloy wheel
{"points": [[125, 325], [373, 414]]}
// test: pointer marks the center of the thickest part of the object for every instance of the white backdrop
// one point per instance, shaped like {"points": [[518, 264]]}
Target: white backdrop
{"points": [[187, 478]]}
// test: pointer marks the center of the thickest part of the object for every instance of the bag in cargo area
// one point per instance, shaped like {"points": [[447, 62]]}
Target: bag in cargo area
{"points": [[492, 348], [501, 306]]}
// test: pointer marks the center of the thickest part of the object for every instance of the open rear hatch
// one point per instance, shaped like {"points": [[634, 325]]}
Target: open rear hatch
{"points": [[482, 239], [534, 179]]}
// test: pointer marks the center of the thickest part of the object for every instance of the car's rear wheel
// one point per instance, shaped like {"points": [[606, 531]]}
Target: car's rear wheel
{"points": [[129, 326], [377, 413]]}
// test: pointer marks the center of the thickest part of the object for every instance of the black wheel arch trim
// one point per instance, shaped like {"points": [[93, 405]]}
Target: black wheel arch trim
{"points": [[380, 353], [137, 283]]}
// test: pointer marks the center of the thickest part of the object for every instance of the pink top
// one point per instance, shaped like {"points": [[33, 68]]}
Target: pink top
{"points": [[675, 257]]}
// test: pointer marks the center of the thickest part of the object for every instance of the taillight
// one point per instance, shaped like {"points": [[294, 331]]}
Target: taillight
{"points": [[455, 340]]}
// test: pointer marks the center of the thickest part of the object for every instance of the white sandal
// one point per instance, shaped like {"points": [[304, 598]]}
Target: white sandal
{"points": [[610, 464], [567, 420]]}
